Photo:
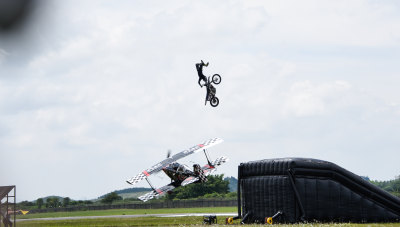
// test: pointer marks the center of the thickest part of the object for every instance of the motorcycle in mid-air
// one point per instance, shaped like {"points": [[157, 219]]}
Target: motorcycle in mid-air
{"points": [[211, 91]]}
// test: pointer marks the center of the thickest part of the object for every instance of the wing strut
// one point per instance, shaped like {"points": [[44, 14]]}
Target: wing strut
{"points": [[152, 187], [208, 160]]}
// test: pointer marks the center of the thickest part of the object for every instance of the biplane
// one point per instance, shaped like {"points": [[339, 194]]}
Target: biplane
{"points": [[180, 174]]}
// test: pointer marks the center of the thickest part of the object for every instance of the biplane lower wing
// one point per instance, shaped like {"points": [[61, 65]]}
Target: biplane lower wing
{"points": [[159, 166], [189, 180], [157, 192]]}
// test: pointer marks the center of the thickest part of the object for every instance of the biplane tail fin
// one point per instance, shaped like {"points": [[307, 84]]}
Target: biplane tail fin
{"points": [[209, 168], [204, 171], [219, 161]]}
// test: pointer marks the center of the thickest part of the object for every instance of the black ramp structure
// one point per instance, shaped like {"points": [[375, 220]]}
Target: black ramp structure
{"points": [[310, 190]]}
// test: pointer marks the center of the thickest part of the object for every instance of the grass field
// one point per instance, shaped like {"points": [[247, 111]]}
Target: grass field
{"points": [[151, 220], [169, 221], [141, 221], [130, 212]]}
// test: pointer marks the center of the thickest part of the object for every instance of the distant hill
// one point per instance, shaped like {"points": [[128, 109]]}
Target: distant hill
{"points": [[130, 192]]}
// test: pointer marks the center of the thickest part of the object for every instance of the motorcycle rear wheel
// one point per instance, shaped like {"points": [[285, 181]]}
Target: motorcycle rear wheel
{"points": [[214, 101]]}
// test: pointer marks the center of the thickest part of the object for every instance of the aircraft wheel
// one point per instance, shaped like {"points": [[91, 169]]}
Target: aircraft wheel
{"points": [[216, 79], [214, 101]]}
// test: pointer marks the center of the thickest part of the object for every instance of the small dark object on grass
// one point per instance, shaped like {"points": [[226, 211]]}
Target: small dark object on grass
{"points": [[210, 219]]}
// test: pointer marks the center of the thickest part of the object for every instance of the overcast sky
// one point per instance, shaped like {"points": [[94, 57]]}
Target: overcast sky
{"points": [[93, 92]]}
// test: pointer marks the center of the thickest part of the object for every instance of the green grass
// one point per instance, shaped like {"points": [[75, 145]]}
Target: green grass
{"points": [[130, 212], [142, 221], [155, 221], [172, 221]]}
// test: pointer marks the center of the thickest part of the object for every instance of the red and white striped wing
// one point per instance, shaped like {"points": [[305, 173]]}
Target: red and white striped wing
{"points": [[156, 193], [189, 180]]}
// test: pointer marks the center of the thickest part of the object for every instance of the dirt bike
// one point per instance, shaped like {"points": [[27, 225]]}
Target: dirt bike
{"points": [[211, 91]]}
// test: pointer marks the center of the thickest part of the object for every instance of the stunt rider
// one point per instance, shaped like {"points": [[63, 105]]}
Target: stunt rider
{"points": [[211, 91], [199, 67]]}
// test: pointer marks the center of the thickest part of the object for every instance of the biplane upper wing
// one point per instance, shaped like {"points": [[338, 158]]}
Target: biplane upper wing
{"points": [[157, 192], [158, 167], [207, 170]]}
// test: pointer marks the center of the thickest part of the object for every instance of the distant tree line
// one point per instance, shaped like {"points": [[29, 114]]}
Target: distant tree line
{"points": [[110, 198], [392, 186], [216, 187], [52, 202]]}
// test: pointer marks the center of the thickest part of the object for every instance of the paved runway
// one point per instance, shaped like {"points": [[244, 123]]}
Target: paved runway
{"points": [[128, 216]]}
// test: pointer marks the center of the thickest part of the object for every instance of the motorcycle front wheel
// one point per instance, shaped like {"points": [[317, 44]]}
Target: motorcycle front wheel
{"points": [[216, 79], [214, 101]]}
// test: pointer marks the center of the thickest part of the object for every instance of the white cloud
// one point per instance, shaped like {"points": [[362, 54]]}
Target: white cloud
{"points": [[305, 99], [102, 95], [339, 23]]}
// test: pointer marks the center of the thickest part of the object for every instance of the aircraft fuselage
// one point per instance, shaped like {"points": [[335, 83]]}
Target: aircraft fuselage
{"points": [[177, 172]]}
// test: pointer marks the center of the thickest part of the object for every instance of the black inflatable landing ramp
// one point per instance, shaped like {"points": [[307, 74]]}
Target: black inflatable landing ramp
{"points": [[310, 190]]}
